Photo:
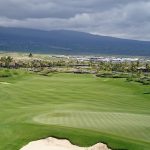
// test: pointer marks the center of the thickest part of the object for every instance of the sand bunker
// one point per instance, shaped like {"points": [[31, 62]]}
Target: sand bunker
{"points": [[57, 144]]}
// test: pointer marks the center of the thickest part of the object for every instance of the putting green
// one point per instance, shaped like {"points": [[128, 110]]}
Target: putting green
{"points": [[123, 124], [82, 108]]}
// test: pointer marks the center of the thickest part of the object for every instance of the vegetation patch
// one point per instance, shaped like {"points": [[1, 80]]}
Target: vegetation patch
{"points": [[113, 75], [5, 73]]}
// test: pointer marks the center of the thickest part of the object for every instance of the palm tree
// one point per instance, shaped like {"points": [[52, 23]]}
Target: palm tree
{"points": [[30, 55]]}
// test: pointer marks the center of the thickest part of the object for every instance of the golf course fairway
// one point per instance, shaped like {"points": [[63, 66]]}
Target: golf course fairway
{"points": [[82, 108]]}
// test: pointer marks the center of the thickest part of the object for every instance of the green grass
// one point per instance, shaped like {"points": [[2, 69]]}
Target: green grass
{"points": [[82, 108]]}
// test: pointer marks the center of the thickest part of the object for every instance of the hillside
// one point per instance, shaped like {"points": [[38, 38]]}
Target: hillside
{"points": [[81, 108], [68, 42]]}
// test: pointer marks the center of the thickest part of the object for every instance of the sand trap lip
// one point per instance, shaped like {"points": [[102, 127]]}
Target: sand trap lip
{"points": [[6, 83], [60, 144]]}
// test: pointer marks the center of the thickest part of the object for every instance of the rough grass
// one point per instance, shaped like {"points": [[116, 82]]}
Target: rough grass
{"points": [[82, 108]]}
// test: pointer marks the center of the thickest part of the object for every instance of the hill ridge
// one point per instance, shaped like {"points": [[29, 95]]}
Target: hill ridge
{"points": [[68, 42]]}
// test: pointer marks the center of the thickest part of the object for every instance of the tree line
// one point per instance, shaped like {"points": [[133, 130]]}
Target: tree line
{"points": [[137, 66]]}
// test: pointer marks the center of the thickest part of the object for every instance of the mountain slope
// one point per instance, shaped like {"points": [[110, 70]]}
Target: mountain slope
{"points": [[68, 42]]}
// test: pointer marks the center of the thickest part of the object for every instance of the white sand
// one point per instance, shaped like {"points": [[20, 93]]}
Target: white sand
{"points": [[57, 144]]}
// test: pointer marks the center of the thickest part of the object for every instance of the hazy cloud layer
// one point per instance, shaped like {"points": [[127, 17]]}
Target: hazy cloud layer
{"points": [[119, 18]]}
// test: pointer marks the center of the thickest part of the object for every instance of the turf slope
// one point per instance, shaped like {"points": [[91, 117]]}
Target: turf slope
{"points": [[82, 108]]}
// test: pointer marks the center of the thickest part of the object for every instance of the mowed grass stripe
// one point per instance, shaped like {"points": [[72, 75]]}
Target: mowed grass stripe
{"points": [[121, 123], [32, 106]]}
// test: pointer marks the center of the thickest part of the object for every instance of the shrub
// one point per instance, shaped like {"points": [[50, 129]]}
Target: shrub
{"points": [[5, 73], [144, 80], [105, 75]]}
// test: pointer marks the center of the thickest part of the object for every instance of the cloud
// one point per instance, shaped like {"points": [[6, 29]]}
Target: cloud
{"points": [[125, 19]]}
